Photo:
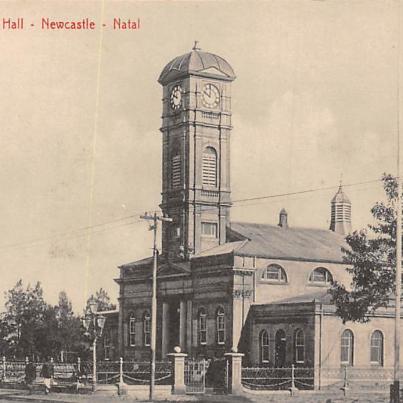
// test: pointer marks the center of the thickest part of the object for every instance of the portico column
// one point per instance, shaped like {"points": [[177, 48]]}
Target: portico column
{"points": [[182, 325], [165, 331]]}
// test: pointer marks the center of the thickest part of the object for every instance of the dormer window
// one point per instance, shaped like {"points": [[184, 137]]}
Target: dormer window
{"points": [[275, 273], [321, 276]]}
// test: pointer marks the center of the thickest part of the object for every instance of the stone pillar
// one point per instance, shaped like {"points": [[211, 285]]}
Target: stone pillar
{"points": [[189, 321], [178, 363], [235, 372], [182, 325], [165, 330]]}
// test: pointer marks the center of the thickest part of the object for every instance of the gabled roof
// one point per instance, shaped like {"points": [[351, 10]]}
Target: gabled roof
{"points": [[271, 241]]}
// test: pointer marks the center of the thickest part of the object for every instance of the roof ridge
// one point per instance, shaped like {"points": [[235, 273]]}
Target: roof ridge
{"points": [[277, 226]]}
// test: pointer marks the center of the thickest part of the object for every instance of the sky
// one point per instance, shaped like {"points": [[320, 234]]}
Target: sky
{"points": [[315, 100]]}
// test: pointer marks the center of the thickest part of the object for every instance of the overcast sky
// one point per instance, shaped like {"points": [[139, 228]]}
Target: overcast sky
{"points": [[315, 98]]}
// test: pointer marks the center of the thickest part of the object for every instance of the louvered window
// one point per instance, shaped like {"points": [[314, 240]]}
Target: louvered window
{"points": [[176, 171], [209, 167]]}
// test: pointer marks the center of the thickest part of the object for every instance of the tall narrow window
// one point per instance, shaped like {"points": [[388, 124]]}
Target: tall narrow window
{"points": [[377, 347], [299, 346], [107, 346], [176, 171], [347, 348], [209, 170], [132, 330], [220, 321], [147, 329], [264, 346], [202, 326]]}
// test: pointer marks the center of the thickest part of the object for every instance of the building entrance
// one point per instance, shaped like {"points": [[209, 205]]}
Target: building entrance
{"points": [[280, 348]]}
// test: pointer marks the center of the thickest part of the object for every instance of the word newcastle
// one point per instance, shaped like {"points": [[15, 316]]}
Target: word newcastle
{"points": [[84, 24]]}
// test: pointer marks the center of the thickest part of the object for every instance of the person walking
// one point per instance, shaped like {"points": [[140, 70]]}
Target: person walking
{"points": [[30, 374], [47, 374]]}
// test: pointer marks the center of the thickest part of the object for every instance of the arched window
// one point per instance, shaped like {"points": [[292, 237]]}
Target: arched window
{"points": [[176, 170], [147, 328], [220, 323], [274, 272], [299, 346], [209, 169], [264, 343], [321, 276], [202, 326], [132, 330], [347, 347], [377, 347]]}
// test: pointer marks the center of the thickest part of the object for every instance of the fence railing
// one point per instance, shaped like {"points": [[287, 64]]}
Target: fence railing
{"points": [[108, 372], [345, 377], [379, 378], [278, 378]]}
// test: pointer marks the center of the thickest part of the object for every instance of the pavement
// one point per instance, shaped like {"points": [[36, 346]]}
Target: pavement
{"points": [[13, 395]]}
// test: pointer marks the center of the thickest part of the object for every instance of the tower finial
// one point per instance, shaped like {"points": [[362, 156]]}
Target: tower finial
{"points": [[196, 46], [341, 179]]}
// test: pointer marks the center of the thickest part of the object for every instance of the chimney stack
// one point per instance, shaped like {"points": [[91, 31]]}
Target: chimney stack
{"points": [[283, 221]]}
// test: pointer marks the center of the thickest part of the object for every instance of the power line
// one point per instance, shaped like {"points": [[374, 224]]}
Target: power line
{"points": [[73, 233], [66, 235], [303, 191]]}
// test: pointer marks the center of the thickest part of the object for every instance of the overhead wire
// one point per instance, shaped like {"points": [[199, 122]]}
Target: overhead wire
{"points": [[76, 233]]}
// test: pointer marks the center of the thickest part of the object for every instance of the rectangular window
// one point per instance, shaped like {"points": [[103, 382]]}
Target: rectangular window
{"points": [[220, 329], [202, 329], [107, 346], [209, 229], [147, 331], [132, 332]]}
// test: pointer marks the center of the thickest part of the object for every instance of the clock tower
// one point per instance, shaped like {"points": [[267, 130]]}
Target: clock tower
{"points": [[196, 129]]}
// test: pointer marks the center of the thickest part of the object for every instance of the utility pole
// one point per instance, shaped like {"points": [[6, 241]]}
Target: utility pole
{"points": [[398, 280], [153, 227]]}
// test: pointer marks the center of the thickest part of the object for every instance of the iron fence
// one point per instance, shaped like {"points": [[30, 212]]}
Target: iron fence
{"points": [[344, 377], [278, 378], [108, 372]]}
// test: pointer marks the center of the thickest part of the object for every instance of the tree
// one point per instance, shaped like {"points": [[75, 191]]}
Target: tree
{"points": [[102, 299], [69, 332], [371, 258], [25, 310]]}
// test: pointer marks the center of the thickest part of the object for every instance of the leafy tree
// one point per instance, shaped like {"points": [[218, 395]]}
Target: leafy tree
{"points": [[372, 259], [102, 299], [69, 331], [25, 310]]}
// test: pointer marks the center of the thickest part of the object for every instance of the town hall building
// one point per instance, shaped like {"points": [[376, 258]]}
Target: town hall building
{"points": [[226, 286]]}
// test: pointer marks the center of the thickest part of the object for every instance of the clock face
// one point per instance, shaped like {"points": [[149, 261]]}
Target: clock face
{"points": [[210, 96], [175, 98]]}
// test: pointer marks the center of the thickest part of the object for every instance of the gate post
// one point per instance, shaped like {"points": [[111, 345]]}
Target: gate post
{"points": [[178, 364], [235, 371]]}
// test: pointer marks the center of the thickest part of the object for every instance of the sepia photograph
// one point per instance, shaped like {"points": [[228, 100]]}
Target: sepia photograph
{"points": [[201, 201]]}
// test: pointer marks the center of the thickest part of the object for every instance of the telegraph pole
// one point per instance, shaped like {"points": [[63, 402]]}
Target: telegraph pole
{"points": [[398, 281], [153, 227]]}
